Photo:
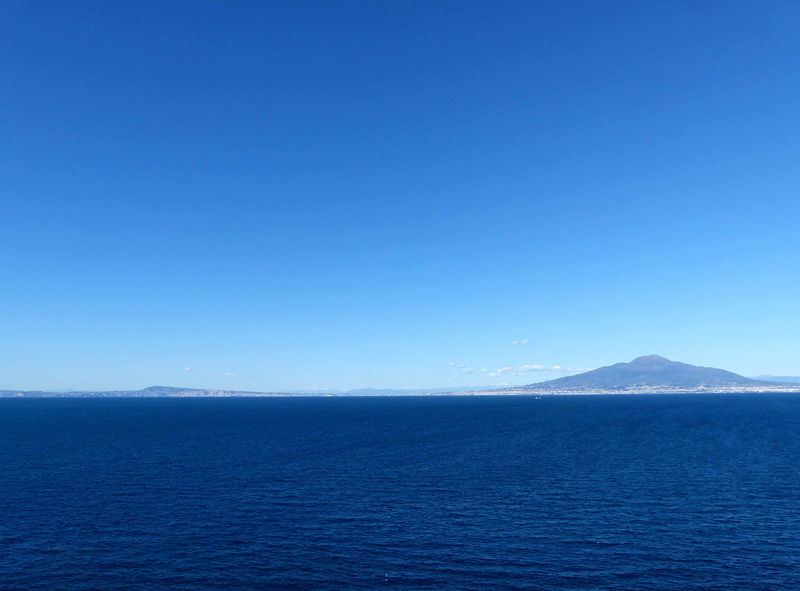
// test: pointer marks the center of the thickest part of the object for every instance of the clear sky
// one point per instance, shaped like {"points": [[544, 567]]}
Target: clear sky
{"points": [[306, 195]]}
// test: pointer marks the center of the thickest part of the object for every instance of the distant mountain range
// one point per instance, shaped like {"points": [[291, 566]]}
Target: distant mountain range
{"points": [[649, 374], [779, 379], [167, 391], [652, 373], [151, 392], [387, 391]]}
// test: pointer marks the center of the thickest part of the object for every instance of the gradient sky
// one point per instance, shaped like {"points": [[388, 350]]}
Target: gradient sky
{"points": [[306, 195]]}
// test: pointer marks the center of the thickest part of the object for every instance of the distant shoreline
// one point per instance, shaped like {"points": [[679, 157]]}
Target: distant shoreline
{"points": [[771, 389]]}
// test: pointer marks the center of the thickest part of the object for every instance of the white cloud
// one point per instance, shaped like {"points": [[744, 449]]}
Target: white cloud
{"points": [[227, 374], [523, 370], [467, 370], [521, 342], [187, 369]]}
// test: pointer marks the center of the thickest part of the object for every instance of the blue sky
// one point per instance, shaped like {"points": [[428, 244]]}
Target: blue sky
{"points": [[302, 195]]}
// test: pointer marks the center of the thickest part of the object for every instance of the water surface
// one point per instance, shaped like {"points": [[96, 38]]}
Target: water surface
{"points": [[590, 492]]}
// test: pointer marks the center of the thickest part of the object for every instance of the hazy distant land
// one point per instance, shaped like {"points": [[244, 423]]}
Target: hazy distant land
{"points": [[779, 379], [651, 374]]}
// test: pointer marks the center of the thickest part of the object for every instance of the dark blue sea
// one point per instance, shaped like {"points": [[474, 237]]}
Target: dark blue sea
{"points": [[591, 492]]}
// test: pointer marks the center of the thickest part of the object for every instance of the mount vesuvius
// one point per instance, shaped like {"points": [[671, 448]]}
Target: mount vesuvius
{"points": [[651, 373]]}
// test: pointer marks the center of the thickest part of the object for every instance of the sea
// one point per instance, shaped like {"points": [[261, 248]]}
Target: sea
{"points": [[628, 492]]}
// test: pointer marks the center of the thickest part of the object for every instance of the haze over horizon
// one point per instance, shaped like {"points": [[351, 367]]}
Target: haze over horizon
{"points": [[286, 197], [647, 374]]}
